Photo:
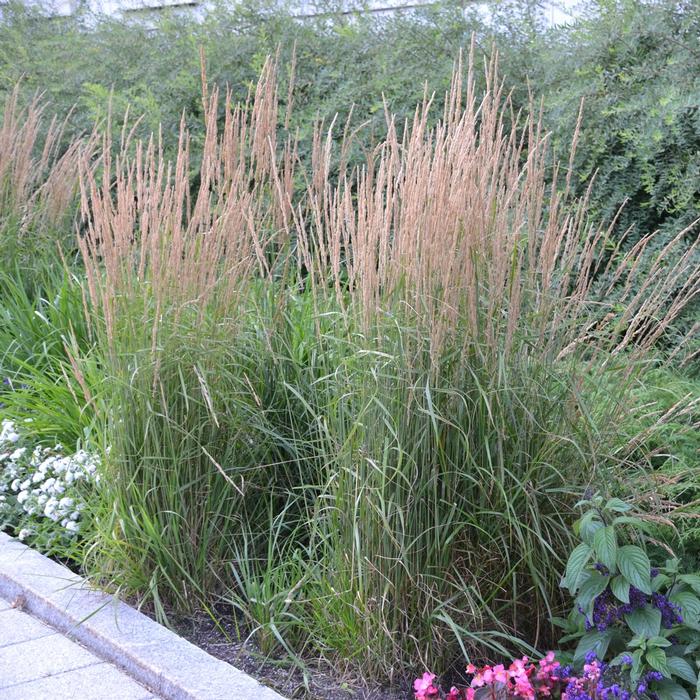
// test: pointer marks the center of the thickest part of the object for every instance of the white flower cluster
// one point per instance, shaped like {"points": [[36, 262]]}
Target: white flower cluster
{"points": [[8, 434], [42, 483]]}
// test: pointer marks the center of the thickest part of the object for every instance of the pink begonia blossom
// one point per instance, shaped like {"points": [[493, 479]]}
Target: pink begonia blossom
{"points": [[500, 674], [522, 679], [424, 686]]}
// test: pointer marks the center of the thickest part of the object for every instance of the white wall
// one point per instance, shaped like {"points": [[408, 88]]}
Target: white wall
{"points": [[554, 11]]}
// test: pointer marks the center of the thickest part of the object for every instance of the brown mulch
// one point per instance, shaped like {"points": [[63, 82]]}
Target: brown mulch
{"points": [[317, 681]]}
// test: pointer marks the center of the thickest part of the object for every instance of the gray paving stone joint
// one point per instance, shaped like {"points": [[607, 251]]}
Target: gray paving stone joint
{"points": [[157, 658]]}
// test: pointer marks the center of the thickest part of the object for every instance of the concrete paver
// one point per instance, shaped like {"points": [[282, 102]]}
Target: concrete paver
{"points": [[101, 681], [16, 627], [27, 661], [38, 663]]}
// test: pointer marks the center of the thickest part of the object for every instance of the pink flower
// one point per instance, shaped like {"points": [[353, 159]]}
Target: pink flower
{"points": [[518, 667], [479, 679], [488, 674], [500, 674], [453, 694], [471, 693], [523, 688], [424, 686]]}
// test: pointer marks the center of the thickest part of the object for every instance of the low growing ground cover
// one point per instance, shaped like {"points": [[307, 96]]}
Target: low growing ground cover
{"points": [[355, 404]]}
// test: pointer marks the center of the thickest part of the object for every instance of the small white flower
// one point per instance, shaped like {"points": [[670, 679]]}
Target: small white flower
{"points": [[18, 453], [8, 433], [72, 526], [23, 534], [22, 497]]}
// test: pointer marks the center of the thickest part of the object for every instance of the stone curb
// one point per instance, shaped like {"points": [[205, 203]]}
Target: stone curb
{"points": [[148, 652]]}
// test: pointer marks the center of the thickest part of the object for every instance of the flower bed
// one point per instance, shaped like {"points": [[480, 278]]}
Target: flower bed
{"points": [[548, 679], [42, 489]]}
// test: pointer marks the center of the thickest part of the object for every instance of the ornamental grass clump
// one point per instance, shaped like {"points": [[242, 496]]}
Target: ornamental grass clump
{"points": [[38, 189], [356, 403]]}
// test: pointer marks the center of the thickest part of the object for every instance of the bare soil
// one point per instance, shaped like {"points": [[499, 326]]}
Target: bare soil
{"points": [[317, 681]]}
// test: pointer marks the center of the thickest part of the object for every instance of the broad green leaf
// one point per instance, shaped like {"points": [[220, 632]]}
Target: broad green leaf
{"points": [[656, 658], [575, 566], [637, 641], [690, 605], [605, 546], [617, 505], [634, 522], [668, 690], [693, 580], [658, 642], [681, 668], [594, 585], [636, 665], [560, 622], [659, 581], [588, 525], [646, 622], [635, 567], [620, 587], [592, 641]]}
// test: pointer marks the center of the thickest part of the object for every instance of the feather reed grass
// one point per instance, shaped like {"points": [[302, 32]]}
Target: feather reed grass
{"points": [[357, 407], [38, 188]]}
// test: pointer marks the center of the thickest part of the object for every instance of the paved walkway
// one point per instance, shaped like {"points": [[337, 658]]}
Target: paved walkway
{"points": [[38, 663]]}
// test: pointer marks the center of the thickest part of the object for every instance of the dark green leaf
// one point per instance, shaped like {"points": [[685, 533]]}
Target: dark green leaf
{"points": [[646, 622], [693, 580], [690, 605], [658, 642], [594, 585], [659, 582], [617, 505], [620, 587], [588, 525], [634, 522], [636, 665], [605, 546], [656, 658], [592, 641], [668, 690], [575, 566], [681, 668], [635, 567]]}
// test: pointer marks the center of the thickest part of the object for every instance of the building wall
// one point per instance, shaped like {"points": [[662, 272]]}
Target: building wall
{"points": [[554, 11]]}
